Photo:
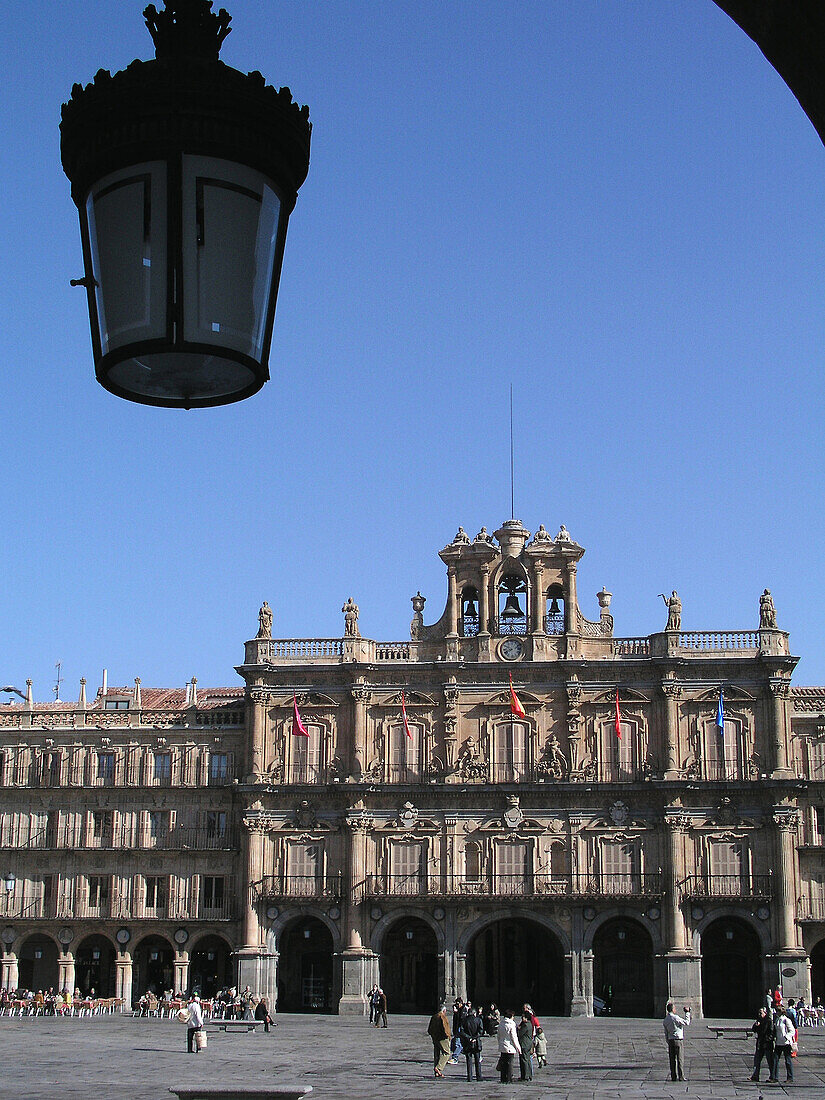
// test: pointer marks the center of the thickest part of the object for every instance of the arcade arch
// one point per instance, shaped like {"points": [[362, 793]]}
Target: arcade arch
{"points": [[409, 966], [513, 960], [37, 963], [305, 968], [94, 967], [623, 967], [731, 969], [210, 966], [154, 966]]}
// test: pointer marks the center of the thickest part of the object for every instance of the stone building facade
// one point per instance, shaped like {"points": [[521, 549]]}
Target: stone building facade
{"points": [[422, 835]]}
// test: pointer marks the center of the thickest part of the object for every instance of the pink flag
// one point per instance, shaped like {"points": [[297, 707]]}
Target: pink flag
{"points": [[404, 716], [298, 726]]}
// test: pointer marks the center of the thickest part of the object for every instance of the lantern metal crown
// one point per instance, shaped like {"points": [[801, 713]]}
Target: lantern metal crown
{"points": [[184, 172]]}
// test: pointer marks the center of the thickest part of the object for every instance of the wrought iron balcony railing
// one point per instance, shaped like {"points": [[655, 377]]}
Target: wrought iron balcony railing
{"points": [[727, 886], [299, 886], [648, 884], [811, 909], [37, 907]]}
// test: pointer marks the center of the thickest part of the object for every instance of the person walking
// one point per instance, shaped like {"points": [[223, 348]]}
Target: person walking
{"points": [[380, 1008], [508, 1047], [371, 999], [782, 1045], [763, 1028], [470, 1034], [674, 1027], [439, 1032], [525, 1039], [541, 1047], [194, 1023]]}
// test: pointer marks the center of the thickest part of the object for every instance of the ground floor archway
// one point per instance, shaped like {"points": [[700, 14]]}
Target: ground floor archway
{"points": [[154, 966], [409, 967], [623, 968], [818, 972], [37, 967], [731, 970], [516, 960], [94, 967], [210, 966], [305, 967]]}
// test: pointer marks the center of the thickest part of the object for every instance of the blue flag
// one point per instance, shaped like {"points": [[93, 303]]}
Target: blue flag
{"points": [[720, 713]]}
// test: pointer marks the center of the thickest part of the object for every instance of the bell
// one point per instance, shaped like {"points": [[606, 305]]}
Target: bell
{"points": [[512, 608], [470, 610], [554, 606]]}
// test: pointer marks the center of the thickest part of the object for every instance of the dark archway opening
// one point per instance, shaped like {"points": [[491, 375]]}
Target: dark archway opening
{"points": [[623, 968], [514, 961], [409, 967], [154, 970], [210, 966], [37, 967], [94, 967], [305, 967], [731, 970], [818, 972]]}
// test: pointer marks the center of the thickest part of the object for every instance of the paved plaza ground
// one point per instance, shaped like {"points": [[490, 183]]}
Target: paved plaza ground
{"points": [[125, 1058]]}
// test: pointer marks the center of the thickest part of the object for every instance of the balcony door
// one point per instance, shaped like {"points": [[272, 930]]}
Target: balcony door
{"points": [[514, 867], [408, 869], [305, 869], [729, 868], [620, 867]]}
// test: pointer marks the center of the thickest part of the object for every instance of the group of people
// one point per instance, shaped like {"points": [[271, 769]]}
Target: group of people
{"points": [[522, 1039], [775, 1028], [378, 1006]]}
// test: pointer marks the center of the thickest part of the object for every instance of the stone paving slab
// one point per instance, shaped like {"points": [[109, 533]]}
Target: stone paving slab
{"points": [[43, 1058]]}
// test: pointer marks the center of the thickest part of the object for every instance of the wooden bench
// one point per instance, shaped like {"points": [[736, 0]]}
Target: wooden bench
{"points": [[743, 1031], [276, 1092], [233, 1025]]}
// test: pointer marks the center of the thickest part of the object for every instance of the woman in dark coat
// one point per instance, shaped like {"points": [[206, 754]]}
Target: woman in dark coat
{"points": [[470, 1033], [262, 1013]]}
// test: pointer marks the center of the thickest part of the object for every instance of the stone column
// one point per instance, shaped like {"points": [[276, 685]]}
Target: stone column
{"points": [[123, 980], [538, 602], [10, 979], [460, 975], [357, 968], [786, 821], [676, 825], [452, 600], [484, 601], [672, 691], [65, 973], [587, 979], [257, 733], [571, 611], [181, 984], [253, 872], [779, 688]]}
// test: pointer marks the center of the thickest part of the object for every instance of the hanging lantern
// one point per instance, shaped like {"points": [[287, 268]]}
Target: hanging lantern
{"points": [[184, 172]]}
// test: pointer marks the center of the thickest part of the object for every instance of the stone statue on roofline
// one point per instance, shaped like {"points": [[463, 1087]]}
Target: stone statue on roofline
{"points": [[674, 610], [461, 536], [265, 621], [767, 611], [350, 611]]}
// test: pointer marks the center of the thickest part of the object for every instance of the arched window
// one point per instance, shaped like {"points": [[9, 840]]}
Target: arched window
{"points": [[554, 617], [512, 604], [469, 611], [404, 765]]}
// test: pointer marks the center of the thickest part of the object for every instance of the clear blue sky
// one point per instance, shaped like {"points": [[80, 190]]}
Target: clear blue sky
{"points": [[618, 207]]}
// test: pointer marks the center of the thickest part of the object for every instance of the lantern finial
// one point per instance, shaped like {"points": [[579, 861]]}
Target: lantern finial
{"points": [[187, 28]]}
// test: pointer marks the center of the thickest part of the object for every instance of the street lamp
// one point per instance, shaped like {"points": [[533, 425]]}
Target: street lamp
{"points": [[184, 172], [13, 691], [11, 882]]}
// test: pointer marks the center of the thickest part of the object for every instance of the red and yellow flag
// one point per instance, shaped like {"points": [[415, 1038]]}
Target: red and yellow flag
{"points": [[404, 716], [515, 705], [298, 726]]}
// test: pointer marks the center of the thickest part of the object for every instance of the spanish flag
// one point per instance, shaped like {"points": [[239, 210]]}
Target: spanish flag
{"points": [[618, 720], [515, 705], [404, 716]]}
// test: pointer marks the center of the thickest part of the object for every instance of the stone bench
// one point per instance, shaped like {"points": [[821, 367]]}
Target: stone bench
{"points": [[743, 1031], [276, 1092], [233, 1025]]}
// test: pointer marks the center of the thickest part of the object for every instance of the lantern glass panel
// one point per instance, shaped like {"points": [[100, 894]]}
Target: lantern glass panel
{"points": [[231, 219], [126, 216]]}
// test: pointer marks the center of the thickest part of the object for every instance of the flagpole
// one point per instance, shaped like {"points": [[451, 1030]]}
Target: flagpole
{"points": [[512, 468]]}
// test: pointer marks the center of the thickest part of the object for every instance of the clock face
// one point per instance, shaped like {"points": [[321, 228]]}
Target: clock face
{"points": [[511, 649]]}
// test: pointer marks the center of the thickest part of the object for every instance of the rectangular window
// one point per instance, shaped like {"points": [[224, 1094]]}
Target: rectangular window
{"points": [[103, 825], [157, 892], [218, 768], [306, 756], [304, 863], [99, 893], [723, 757], [729, 868], [511, 752], [215, 824], [620, 868], [158, 824], [407, 869], [405, 755], [513, 868], [617, 763], [213, 893], [105, 769], [163, 768], [116, 704], [818, 825]]}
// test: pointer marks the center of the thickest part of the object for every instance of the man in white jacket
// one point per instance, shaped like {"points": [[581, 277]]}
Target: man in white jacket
{"points": [[785, 1033], [508, 1047], [195, 1023], [674, 1034]]}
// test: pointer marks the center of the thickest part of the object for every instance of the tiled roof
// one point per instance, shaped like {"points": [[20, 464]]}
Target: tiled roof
{"points": [[150, 698]]}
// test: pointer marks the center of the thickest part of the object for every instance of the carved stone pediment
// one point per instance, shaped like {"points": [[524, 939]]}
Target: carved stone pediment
{"points": [[502, 699], [411, 699], [733, 694], [626, 695]]}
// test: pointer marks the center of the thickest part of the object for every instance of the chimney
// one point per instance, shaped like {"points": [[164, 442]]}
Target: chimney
{"points": [[105, 688], [82, 700], [138, 703]]}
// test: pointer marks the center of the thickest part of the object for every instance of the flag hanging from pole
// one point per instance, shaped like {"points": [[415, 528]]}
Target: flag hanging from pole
{"points": [[515, 705], [720, 713], [404, 716], [618, 720], [298, 727]]}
